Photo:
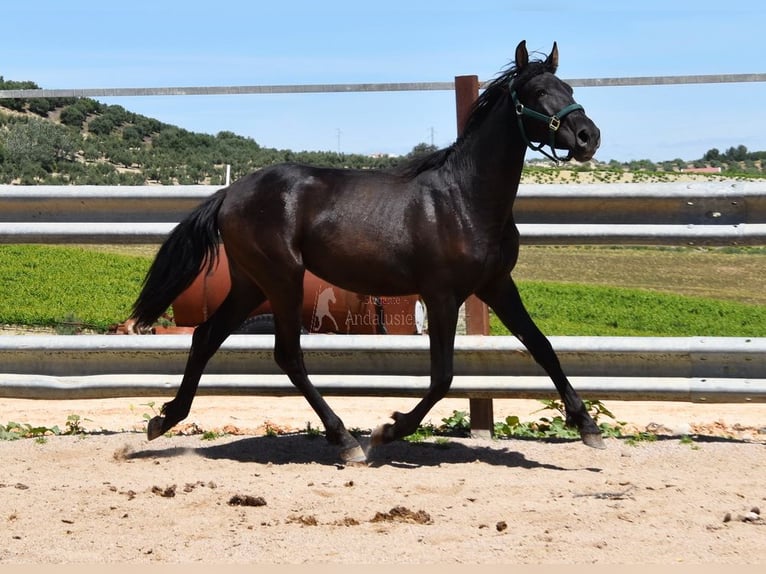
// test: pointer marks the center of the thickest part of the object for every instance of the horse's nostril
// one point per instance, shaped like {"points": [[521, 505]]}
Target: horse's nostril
{"points": [[583, 136]]}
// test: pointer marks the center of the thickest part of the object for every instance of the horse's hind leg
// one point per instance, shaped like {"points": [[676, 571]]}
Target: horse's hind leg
{"points": [[504, 299], [243, 297], [286, 302]]}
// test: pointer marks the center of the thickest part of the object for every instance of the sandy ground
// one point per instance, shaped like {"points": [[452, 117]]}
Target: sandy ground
{"points": [[111, 496]]}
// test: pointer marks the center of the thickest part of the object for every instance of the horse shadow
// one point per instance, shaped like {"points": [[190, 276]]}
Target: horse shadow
{"points": [[302, 449]]}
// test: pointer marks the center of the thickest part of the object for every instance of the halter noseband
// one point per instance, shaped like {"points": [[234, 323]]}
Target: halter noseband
{"points": [[553, 122]]}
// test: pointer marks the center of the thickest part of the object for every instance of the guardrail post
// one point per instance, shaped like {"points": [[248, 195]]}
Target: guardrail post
{"points": [[476, 312]]}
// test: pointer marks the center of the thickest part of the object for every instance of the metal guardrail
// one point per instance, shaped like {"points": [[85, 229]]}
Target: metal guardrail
{"points": [[707, 213], [695, 369], [638, 368]]}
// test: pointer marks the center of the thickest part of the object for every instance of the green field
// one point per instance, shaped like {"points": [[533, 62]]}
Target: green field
{"points": [[568, 291], [56, 286], [572, 309]]}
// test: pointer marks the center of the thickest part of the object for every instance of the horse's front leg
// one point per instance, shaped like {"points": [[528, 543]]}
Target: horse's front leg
{"points": [[442, 322], [286, 303], [504, 299]]}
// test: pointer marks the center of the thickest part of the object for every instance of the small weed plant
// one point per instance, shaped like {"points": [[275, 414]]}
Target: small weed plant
{"points": [[641, 437], [16, 431], [546, 427], [271, 429], [555, 426], [425, 431], [686, 439], [146, 417], [458, 424], [74, 425], [313, 432]]}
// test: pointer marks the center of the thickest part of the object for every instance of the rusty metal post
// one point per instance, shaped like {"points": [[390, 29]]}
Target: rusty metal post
{"points": [[476, 312], [466, 92]]}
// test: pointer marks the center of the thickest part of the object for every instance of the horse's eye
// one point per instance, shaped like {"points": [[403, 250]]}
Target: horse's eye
{"points": [[540, 93]]}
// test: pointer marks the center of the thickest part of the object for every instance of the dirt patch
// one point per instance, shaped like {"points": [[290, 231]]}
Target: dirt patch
{"points": [[402, 514], [246, 500], [106, 496]]}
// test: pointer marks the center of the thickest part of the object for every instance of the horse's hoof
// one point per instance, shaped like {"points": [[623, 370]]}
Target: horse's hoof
{"points": [[593, 440], [353, 456], [377, 437], [154, 428]]}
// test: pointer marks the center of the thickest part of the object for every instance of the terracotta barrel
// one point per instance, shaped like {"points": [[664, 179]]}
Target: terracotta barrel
{"points": [[326, 308]]}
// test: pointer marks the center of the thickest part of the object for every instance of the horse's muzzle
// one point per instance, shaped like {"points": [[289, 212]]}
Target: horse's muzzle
{"points": [[587, 141]]}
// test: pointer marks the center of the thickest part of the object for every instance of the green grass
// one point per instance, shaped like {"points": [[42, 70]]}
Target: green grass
{"points": [[725, 273], [571, 309], [52, 286]]}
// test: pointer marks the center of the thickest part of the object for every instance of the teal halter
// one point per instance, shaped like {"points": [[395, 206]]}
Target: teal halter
{"points": [[553, 122]]}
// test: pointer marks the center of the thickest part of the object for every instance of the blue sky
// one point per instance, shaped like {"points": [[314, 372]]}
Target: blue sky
{"points": [[88, 44]]}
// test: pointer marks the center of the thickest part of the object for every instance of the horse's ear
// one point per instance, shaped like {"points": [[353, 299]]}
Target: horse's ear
{"points": [[552, 62], [522, 56]]}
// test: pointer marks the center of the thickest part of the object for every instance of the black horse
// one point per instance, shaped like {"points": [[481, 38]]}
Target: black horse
{"points": [[441, 227]]}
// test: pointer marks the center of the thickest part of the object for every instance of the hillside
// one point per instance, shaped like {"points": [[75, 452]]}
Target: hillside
{"points": [[80, 141], [85, 142]]}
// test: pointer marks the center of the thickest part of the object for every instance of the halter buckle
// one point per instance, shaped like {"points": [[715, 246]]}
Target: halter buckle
{"points": [[554, 123]]}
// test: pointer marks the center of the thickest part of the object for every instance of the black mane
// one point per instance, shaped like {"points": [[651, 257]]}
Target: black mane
{"points": [[414, 167], [495, 92]]}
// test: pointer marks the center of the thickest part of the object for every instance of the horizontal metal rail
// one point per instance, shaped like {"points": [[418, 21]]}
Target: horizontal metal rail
{"points": [[603, 234], [96, 233], [719, 203], [709, 213], [99, 203], [475, 355], [693, 390], [531, 234], [368, 87], [720, 369], [675, 203]]}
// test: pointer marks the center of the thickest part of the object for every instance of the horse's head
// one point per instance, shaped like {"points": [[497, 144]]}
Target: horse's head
{"points": [[546, 111]]}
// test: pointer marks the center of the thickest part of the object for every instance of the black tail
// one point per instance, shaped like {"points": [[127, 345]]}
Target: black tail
{"points": [[192, 244]]}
